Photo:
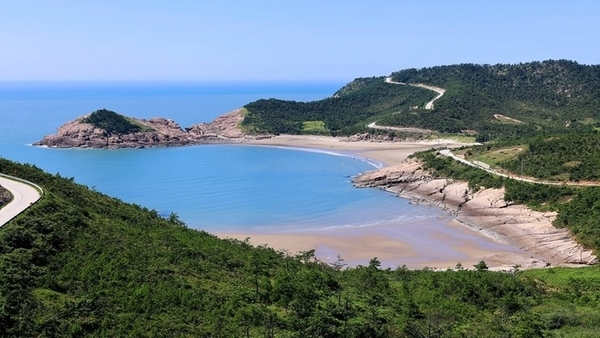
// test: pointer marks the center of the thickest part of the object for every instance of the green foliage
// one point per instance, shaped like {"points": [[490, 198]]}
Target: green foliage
{"points": [[581, 216], [446, 167], [79, 263], [572, 157], [314, 128], [547, 97], [347, 112], [111, 122], [543, 95]]}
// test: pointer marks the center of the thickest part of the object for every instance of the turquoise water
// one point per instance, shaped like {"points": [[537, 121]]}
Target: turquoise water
{"points": [[210, 187]]}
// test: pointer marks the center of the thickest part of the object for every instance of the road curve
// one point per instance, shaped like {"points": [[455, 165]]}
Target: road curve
{"points": [[429, 105], [24, 195]]}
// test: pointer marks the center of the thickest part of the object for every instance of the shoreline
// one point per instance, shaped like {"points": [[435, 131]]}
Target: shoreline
{"points": [[386, 153], [357, 246]]}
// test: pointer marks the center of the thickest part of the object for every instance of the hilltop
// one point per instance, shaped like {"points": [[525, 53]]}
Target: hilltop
{"points": [[488, 101]]}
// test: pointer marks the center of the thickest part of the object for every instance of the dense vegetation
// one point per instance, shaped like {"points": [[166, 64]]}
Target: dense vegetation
{"points": [[79, 263], [570, 157], [549, 95], [111, 122], [495, 102], [343, 113]]}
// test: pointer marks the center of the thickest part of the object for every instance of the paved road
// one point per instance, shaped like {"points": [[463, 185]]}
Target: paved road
{"points": [[429, 105], [374, 125], [448, 153], [23, 196]]}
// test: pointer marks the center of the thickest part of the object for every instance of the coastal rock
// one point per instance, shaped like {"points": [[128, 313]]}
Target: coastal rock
{"points": [[485, 211], [224, 126], [155, 132]]}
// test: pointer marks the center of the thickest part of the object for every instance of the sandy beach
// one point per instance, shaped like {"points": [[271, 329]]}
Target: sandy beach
{"points": [[414, 245], [388, 153]]}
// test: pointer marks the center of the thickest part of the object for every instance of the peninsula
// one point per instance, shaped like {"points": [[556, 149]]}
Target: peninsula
{"points": [[107, 129]]}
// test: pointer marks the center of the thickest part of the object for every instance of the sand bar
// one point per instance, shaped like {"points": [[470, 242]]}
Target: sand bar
{"points": [[413, 245]]}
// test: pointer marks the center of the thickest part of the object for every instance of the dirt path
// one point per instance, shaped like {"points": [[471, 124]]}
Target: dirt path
{"points": [[24, 195]]}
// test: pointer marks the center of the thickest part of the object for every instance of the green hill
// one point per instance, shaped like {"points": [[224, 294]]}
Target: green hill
{"points": [[111, 122], [494, 101], [79, 263], [344, 113]]}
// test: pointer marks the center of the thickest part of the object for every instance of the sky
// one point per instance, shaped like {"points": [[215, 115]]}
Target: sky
{"points": [[279, 40]]}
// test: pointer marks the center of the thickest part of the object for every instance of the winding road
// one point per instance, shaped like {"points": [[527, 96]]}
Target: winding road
{"points": [[24, 195], [429, 105]]}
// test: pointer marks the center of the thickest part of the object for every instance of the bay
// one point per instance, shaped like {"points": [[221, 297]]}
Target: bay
{"points": [[210, 187]]}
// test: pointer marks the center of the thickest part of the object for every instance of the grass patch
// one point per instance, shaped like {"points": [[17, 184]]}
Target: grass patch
{"points": [[560, 277], [246, 128], [495, 156], [314, 127], [587, 120], [143, 128]]}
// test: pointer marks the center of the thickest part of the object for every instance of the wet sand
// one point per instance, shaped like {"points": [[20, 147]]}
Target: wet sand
{"points": [[416, 244]]}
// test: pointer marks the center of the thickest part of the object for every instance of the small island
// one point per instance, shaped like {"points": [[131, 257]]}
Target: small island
{"points": [[108, 129]]}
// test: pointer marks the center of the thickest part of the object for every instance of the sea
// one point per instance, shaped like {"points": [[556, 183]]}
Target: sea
{"points": [[224, 188], [210, 187]]}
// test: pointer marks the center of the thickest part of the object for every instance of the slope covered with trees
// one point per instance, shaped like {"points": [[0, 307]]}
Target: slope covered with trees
{"points": [[572, 157], [493, 101], [342, 114], [79, 263]]}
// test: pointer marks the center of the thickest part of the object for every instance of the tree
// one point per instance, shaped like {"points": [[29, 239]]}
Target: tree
{"points": [[481, 266]]}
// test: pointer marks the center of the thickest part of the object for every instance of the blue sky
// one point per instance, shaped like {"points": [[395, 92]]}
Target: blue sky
{"points": [[329, 40]]}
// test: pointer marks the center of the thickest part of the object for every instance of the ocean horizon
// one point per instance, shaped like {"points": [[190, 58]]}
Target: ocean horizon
{"points": [[210, 187]]}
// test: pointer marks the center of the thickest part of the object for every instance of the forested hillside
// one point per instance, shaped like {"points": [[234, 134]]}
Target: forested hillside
{"points": [[79, 263], [342, 114], [572, 157], [499, 101]]}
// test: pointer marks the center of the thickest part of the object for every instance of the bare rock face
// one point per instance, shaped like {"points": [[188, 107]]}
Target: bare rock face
{"points": [[155, 132], [485, 211], [5, 196], [224, 126]]}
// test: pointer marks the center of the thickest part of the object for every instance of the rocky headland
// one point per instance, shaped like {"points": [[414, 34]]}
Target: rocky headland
{"points": [[155, 132], [485, 211]]}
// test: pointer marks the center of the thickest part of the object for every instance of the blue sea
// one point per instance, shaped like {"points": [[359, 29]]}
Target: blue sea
{"points": [[210, 187]]}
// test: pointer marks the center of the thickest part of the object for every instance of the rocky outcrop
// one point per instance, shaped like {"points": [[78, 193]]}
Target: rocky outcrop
{"points": [[155, 132], [484, 210], [223, 127], [5, 196]]}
